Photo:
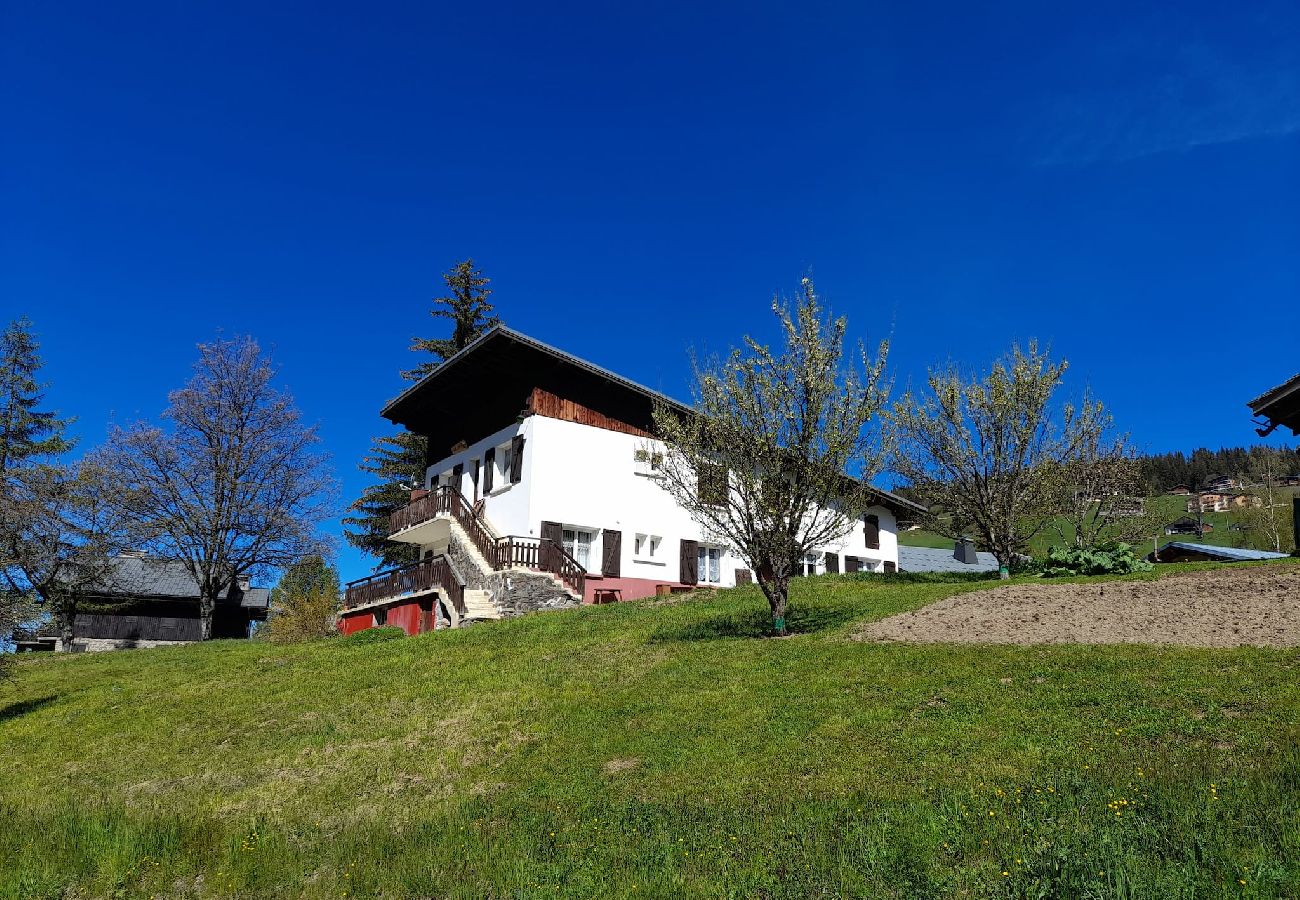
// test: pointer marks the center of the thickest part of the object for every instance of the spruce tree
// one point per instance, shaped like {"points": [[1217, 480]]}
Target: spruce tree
{"points": [[27, 434], [397, 460]]}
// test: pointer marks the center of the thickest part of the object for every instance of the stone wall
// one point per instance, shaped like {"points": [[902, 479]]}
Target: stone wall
{"points": [[99, 645], [514, 591]]}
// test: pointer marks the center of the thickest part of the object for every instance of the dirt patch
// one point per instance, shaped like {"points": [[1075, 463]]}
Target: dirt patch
{"points": [[1253, 606], [615, 766]]}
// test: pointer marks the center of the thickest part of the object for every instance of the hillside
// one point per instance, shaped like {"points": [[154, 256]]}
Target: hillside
{"points": [[656, 750]]}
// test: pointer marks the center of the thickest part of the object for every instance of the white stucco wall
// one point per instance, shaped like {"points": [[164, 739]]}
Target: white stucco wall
{"points": [[587, 478]]}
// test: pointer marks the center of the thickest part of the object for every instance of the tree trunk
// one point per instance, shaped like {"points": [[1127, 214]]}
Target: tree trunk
{"points": [[206, 605], [777, 592], [1004, 559], [66, 621]]}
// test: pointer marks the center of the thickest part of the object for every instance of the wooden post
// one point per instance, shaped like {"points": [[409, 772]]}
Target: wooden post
{"points": [[1295, 520]]}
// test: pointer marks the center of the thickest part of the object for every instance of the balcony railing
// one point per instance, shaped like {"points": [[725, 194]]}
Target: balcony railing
{"points": [[544, 555], [418, 578], [446, 501]]}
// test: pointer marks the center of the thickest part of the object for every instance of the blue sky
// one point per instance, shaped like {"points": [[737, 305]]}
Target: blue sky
{"points": [[1120, 180]]}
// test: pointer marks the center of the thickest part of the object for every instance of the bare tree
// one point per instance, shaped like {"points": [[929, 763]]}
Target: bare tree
{"points": [[234, 485], [760, 462], [988, 455]]}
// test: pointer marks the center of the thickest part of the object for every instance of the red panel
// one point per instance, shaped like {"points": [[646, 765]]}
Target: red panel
{"points": [[405, 616], [354, 622]]}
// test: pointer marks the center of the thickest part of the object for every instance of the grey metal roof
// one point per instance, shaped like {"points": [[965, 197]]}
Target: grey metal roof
{"points": [[936, 559], [1231, 554], [142, 576]]}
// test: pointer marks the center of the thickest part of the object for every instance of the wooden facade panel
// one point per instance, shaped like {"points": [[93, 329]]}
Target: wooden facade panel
{"points": [[544, 403]]}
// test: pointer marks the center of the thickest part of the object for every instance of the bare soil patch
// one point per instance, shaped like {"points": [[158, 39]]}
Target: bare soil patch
{"points": [[1253, 606]]}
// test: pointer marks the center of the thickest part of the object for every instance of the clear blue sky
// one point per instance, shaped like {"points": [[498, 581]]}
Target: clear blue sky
{"points": [[1122, 180]]}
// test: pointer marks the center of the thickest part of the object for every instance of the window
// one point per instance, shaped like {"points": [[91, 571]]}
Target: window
{"points": [[505, 457], [381, 618], [648, 462], [646, 546], [712, 484], [710, 569], [577, 543], [809, 565]]}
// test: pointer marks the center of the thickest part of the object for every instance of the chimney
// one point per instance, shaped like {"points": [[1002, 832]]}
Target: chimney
{"points": [[242, 583], [964, 552]]}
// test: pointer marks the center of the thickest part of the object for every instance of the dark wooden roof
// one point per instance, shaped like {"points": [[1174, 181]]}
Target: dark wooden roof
{"points": [[1279, 407], [487, 385]]}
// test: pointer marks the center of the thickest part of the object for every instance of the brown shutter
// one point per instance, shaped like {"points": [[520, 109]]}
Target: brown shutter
{"points": [[711, 484], [872, 529], [890, 566], [690, 572], [457, 475], [547, 558], [516, 459], [852, 564], [744, 576], [613, 546], [478, 471], [489, 469], [832, 564]]}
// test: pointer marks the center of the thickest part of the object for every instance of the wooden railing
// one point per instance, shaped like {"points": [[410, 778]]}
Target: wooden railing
{"points": [[426, 575], [542, 554], [446, 501]]}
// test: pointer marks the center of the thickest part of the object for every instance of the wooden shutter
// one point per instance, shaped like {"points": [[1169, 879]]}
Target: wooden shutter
{"points": [[516, 459], [489, 469], [690, 573], [457, 475], [478, 468], [890, 566], [852, 564], [613, 555], [872, 530], [832, 564], [744, 576], [547, 557]]}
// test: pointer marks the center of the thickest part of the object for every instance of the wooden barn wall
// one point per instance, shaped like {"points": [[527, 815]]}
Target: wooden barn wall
{"points": [[544, 403]]}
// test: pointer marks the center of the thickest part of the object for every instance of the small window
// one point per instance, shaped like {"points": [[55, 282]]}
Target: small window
{"points": [[505, 458], [710, 570], [381, 618], [646, 546], [648, 462], [712, 484]]}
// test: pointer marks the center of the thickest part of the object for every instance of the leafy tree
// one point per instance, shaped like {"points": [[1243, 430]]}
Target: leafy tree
{"points": [[1267, 521], [397, 461], [989, 454], [305, 602], [233, 486], [1102, 498], [760, 463]]}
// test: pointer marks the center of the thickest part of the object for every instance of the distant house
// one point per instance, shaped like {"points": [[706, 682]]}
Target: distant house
{"points": [[1180, 490], [1222, 483], [1220, 501], [1187, 525], [1181, 551], [147, 602]]}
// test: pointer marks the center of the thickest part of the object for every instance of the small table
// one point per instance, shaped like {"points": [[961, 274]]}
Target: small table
{"points": [[606, 595]]}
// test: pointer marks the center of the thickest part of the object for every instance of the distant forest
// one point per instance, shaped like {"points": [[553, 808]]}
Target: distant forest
{"points": [[1164, 471]]}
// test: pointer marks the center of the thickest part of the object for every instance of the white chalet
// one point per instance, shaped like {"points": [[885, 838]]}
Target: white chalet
{"points": [[539, 493]]}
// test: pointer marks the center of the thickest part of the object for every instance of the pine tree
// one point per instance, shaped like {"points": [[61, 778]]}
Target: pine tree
{"points": [[397, 460], [27, 434], [469, 310]]}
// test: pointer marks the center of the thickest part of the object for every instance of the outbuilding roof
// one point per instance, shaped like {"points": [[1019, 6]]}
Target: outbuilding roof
{"points": [[1279, 406], [1227, 554], [136, 575], [937, 559]]}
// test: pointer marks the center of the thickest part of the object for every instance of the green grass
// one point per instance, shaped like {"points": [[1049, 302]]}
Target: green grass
{"points": [[658, 751], [1169, 509]]}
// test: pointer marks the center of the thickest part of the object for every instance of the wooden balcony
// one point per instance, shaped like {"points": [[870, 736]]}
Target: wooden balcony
{"points": [[426, 576]]}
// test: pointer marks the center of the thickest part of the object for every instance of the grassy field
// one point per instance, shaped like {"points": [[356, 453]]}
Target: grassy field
{"points": [[655, 750], [1168, 509]]}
